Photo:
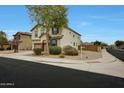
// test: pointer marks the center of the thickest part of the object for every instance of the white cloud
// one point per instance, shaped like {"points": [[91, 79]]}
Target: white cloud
{"points": [[83, 24], [90, 35], [97, 17], [94, 37], [9, 32], [108, 17], [10, 37]]}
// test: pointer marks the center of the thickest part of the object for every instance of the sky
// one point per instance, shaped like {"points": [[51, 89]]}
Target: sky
{"points": [[103, 23]]}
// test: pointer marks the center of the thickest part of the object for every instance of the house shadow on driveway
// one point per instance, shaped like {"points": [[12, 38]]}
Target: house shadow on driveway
{"points": [[26, 74]]}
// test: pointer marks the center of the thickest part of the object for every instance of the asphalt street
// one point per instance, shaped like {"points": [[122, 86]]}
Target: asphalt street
{"points": [[117, 53], [26, 74]]}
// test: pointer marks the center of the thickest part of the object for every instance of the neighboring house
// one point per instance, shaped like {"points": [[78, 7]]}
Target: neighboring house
{"points": [[10, 43], [23, 40], [87, 43], [5, 46], [66, 36], [122, 46], [90, 46]]}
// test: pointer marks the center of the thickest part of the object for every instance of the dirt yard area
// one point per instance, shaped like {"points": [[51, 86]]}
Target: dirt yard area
{"points": [[87, 55]]}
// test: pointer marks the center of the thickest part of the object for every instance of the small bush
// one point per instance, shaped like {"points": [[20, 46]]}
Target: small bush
{"points": [[61, 56], [37, 51], [1, 49], [69, 50], [9, 48], [55, 50]]}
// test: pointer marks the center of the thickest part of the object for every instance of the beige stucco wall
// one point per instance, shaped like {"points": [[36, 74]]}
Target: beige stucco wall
{"points": [[39, 30], [68, 38], [26, 42]]}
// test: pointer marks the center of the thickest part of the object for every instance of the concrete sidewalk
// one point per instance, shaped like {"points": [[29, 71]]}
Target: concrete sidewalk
{"points": [[108, 64]]}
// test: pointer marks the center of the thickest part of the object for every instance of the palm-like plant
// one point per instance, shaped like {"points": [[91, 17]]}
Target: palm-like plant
{"points": [[49, 16]]}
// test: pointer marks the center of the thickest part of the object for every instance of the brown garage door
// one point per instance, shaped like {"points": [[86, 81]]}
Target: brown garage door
{"points": [[37, 45]]}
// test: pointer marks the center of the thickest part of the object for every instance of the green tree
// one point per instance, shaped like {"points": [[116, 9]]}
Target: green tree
{"points": [[97, 43], [100, 43], [3, 38], [49, 16], [119, 43], [104, 44]]}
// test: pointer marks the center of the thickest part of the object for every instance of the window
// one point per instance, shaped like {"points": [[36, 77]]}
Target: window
{"points": [[74, 44], [73, 35], [55, 31], [36, 34], [42, 29], [53, 42], [19, 37], [78, 37]]}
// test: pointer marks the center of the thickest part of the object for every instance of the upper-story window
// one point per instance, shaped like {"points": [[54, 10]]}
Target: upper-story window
{"points": [[74, 44], [17, 37], [36, 34], [73, 35], [42, 29], [55, 31]]}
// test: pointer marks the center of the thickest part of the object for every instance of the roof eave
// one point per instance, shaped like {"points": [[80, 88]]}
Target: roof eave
{"points": [[73, 31]]}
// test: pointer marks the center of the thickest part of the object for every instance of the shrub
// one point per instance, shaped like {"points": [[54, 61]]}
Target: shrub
{"points": [[9, 48], [37, 51], [61, 56], [55, 50], [69, 50], [1, 49]]}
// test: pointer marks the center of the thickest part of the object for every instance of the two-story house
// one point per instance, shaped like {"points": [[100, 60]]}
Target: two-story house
{"points": [[66, 36], [23, 40]]}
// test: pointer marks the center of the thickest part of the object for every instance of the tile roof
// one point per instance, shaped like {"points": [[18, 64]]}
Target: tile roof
{"points": [[87, 43], [23, 33]]}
